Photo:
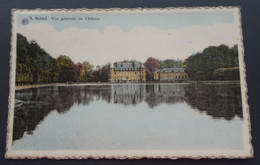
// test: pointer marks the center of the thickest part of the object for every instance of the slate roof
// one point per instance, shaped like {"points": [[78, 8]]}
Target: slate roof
{"points": [[127, 65], [170, 70]]}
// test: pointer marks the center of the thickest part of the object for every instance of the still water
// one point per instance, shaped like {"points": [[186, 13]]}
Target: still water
{"points": [[174, 116]]}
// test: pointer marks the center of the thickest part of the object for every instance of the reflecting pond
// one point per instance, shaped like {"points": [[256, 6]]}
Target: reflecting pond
{"points": [[176, 116]]}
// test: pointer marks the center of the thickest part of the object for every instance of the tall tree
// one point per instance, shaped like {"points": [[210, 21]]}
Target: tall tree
{"points": [[23, 71], [171, 63], [74, 72], [86, 71], [151, 65], [64, 66], [104, 76], [201, 66], [34, 64]]}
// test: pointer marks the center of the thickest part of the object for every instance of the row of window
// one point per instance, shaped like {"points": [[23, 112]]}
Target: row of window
{"points": [[128, 77], [174, 71], [174, 77], [126, 73], [131, 69]]}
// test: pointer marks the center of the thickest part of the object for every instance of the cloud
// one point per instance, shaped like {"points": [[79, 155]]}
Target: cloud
{"points": [[113, 44]]}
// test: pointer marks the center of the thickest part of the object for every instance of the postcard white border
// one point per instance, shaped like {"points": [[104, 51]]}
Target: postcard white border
{"points": [[131, 154]]}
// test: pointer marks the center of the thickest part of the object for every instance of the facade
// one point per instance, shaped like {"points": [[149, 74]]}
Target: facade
{"points": [[127, 71], [170, 74]]}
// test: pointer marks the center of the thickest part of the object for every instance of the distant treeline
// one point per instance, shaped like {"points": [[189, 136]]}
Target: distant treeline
{"points": [[34, 65], [214, 63]]}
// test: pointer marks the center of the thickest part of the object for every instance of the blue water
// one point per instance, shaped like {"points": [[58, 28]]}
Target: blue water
{"points": [[174, 116]]}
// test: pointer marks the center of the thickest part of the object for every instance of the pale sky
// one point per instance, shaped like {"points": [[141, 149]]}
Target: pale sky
{"points": [[127, 36]]}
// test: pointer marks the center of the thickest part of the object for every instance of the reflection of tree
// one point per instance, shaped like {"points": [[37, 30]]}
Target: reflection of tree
{"points": [[37, 103], [220, 101], [164, 93], [26, 119]]}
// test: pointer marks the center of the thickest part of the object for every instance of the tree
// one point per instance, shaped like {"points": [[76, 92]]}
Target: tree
{"points": [[96, 74], [86, 71], [171, 63], [151, 65], [22, 49], [34, 64], [74, 72], [226, 73], [23, 71], [101, 74], [34, 59], [64, 67], [201, 66], [104, 76]]}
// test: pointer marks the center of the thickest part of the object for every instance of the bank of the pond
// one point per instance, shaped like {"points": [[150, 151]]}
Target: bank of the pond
{"points": [[20, 87]]}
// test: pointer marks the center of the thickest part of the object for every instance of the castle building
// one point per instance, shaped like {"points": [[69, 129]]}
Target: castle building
{"points": [[170, 74], [127, 71]]}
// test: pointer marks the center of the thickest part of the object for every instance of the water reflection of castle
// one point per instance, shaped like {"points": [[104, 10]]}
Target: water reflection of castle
{"points": [[128, 94], [218, 101], [154, 94], [164, 93]]}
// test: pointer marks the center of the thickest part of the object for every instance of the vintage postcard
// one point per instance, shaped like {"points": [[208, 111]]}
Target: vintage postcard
{"points": [[128, 84]]}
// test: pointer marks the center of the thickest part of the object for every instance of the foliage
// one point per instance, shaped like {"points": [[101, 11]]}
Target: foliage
{"points": [[34, 64], [86, 71], [170, 63], [101, 74], [202, 65], [151, 65], [227, 73], [65, 68]]}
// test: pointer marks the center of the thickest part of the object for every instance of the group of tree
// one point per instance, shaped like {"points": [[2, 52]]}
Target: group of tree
{"points": [[171, 63], [152, 64], [101, 73], [214, 63], [34, 65]]}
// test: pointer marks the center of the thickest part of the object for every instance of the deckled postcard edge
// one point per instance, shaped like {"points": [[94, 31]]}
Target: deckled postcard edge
{"points": [[133, 154]]}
